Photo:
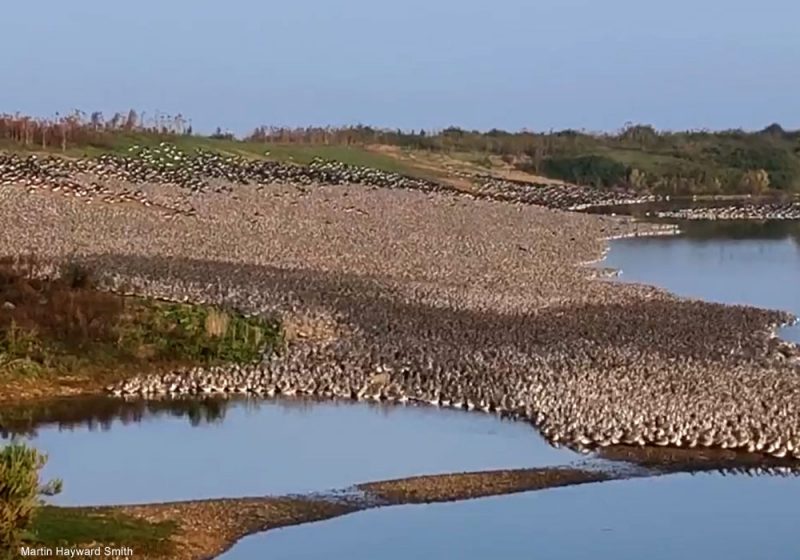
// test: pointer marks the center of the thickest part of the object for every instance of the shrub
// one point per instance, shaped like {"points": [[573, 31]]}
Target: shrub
{"points": [[599, 171], [755, 181], [75, 275], [20, 492]]}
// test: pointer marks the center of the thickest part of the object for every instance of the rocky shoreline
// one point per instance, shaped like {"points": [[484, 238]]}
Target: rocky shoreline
{"points": [[409, 294]]}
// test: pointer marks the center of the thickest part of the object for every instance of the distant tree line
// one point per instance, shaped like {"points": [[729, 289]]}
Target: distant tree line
{"points": [[638, 156], [79, 129]]}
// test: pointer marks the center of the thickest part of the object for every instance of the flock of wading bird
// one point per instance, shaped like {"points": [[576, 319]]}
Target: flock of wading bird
{"points": [[741, 211], [100, 178], [203, 170], [486, 311]]}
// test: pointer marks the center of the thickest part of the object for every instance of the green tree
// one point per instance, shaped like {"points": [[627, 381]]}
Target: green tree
{"points": [[20, 493], [587, 170]]}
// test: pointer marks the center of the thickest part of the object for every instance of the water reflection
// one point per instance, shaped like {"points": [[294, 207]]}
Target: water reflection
{"points": [[680, 516], [101, 413], [108, 451], [712, 229], [721, 229]]}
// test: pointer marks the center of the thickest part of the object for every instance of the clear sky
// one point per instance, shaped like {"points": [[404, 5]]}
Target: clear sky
{"points": [[510, 64]]}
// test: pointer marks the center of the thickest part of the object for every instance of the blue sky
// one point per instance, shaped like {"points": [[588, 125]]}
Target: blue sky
{"points": [[512, 64]]}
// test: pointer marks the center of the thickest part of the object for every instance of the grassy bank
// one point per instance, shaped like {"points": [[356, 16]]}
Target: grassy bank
{"points": [[81, 139], [92, 527], [637, 156], [63, 335]]}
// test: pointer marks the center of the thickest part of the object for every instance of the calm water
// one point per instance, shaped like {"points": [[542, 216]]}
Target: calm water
{"points": [[754, 264], [678, 517], [137, 453], [681, 517], [251, 448]]}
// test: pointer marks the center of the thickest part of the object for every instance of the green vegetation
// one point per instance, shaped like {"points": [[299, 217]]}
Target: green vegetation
{"points": [[76, 136], [20, 491], [55, 527], [599, 171], [124, 143], [638, 156], [25, 521], [65, 327]]}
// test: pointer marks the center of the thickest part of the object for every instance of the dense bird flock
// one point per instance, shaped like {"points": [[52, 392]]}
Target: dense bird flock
{"points": [[418, 295], [205, 171], [113, 178], [747, 211], [556, 195]]}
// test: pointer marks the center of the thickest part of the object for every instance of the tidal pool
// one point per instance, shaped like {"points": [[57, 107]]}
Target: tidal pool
{"points": [[725, 262], [666, 518], [157, 452]]}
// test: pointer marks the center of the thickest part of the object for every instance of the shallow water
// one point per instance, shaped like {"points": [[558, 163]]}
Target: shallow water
{"points": [[680, 516], [676, 517], [157, 453], [741, 263]]}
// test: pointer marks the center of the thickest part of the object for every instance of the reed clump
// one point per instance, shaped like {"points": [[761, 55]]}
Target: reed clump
{"points": [[65, 326]]}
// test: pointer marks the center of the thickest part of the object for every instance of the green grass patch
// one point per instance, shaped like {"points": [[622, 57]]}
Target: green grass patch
{"points": [[124, 142], [74, 527], [65, 326]]}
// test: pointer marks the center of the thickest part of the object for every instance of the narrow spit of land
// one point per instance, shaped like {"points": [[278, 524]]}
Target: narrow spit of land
{"points": [[203, 529]]}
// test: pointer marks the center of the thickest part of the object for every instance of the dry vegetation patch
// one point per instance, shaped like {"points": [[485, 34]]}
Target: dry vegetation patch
{"points": [[64, 335]]}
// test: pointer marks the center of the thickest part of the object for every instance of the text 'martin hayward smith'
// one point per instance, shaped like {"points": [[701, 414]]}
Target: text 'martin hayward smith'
{"points": [[73, 552]]}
